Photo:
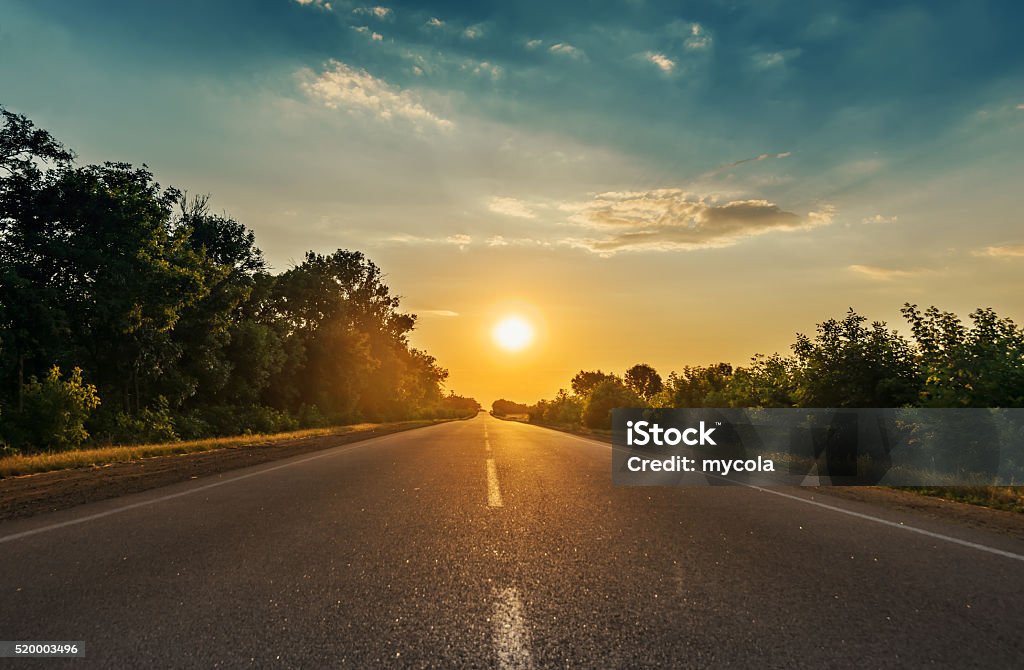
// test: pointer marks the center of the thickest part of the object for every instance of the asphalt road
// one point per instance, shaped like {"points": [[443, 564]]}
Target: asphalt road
{"points": [[484, 543]]}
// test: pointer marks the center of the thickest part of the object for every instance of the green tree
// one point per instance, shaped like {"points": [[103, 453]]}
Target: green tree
{"points": [[697, 386], [585, 380], [848, 364], [603, 398], [54, 413], [981, 365], [644, 380], [769, 381]]}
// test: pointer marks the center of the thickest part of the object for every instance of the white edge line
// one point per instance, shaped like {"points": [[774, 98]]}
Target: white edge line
{"points": [[859, 515], [330, 451]]}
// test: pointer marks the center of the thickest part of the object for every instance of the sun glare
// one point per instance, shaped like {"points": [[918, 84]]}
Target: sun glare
{"points": [[513, 333]]}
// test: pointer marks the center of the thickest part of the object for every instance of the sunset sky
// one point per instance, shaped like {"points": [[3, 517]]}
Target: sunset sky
{"points": [[669, 182]]}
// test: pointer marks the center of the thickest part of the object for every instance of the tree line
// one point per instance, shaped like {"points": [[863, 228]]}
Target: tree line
{"points": [[846, 363], [130, 312]]}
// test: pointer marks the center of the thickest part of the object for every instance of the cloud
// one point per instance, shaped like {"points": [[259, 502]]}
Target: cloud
{"points": [[878, 218], [511, 207], [459, 240], [489, 69], [664, 63], [698, 39], [435, 22], [565, 49], [1002, 251], [379, 12], [754, 159], [1020, 106], [673, 219], [473, 32], [761, 157], [343, 87], [316, 3], [501, 241], [447, 313], [881, 274], [365, 30], [533, 44], [768, 60]]}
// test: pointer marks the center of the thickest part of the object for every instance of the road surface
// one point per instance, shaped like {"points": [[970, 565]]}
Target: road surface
{"points": [[485, 543]]}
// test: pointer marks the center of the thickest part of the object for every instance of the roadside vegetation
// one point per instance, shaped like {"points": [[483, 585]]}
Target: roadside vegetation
{"points": [[27, 464], [847, 362], [130, 313]]}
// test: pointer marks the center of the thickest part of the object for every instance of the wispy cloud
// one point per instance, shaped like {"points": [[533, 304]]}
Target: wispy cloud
{"points": [[473, 32], [316, 3], [1002, 251], [664, 63], [698, 39], [460, 240], [379, 12], [365, 30], [435, 22], [667, 219], [341, 86], [446, 313], [879, 218], [773, 59], [565, 49], [882, 274], [511, 207], [533, 44], [489, 69], [502, 241]]}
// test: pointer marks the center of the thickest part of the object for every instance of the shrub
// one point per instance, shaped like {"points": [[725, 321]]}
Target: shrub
{"points": [[150, 425], [54, 414], [603, 398]]}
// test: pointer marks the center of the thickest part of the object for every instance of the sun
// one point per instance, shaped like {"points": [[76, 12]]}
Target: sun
{"points": [[513, 333]]}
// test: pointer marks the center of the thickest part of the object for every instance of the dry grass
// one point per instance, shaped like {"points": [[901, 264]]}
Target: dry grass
{"points": [[12, 466], [1009, 498]]}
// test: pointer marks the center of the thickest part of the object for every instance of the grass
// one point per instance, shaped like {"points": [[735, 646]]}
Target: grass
{"points": [[1008, 498], [27, 464]]}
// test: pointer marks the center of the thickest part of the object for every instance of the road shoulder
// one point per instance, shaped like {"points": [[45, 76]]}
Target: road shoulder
{"points": [[1001, 522], [29, 495]]}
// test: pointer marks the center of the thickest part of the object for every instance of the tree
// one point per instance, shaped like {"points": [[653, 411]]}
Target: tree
{"points": [[981, 365], [603, 398], [769, 381], [22, 145], [55, 411], [502, 407], [848, 364], [585, 380], [697, 386], [25, 320], [643, 380]]}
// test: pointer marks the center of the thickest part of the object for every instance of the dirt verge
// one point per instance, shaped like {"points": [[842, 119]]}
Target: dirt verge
{"points": [[50, 491]]}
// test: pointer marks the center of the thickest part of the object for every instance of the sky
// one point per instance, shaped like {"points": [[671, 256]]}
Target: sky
{"points": [[675, 183]]}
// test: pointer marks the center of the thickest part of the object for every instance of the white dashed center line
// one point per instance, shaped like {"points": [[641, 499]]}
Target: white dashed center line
{"points": [[493, 490], [511, 640]]}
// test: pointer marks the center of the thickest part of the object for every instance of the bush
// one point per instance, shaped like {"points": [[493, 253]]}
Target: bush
{"points": [[148, 426], [603, 398], [228, 420], [54, 414]]}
